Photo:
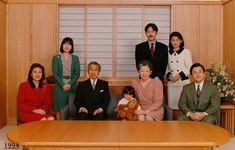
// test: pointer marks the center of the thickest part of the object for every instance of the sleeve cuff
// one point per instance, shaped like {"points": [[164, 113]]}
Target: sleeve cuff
{"points": [[168, 76], [188, 113], [183, 76], [205, 113]]}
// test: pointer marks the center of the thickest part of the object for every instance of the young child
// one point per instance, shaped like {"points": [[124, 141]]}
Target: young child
{"points": [[127, 106]]}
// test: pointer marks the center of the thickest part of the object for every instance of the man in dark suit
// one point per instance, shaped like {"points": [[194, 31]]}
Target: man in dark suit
{"points": [[153, 51], [199, 100], [92, 96]]}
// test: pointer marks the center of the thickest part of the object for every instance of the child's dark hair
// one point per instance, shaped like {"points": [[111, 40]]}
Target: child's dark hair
{"points": [[128, 90]]}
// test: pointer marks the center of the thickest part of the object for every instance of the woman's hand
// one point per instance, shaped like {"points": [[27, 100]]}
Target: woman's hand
{"points": [[142, 112], [66, 87], [175, 78], [39, 111]]}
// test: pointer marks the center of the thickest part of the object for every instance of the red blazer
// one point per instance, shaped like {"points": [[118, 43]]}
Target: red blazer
{"points": [[30, 98]]}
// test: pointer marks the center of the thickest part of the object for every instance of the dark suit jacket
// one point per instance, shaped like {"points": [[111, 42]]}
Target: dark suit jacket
{"points": [[208, 101], [92, 99], [159, 60]]}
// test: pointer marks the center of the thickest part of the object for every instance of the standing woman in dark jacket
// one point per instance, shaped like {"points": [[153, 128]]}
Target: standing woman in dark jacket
{"points": [[66, 71]]}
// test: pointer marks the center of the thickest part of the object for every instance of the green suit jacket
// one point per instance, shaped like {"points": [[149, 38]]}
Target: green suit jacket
{"points": [[208, 101], [61, 97]]}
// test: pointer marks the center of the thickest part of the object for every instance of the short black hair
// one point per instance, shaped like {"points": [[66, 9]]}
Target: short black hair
{"points": [[196, 65], [67, 40], [145, 63], [128, 90], [30, 78], [177, 34], [95, 63], [155, 28]]}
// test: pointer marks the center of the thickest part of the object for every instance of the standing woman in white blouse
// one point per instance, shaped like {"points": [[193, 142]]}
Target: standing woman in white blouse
{"points": [[179, 63]]}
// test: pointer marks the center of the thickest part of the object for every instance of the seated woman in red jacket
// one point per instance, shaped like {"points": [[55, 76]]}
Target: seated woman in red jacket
{"points": [[34, 97]]}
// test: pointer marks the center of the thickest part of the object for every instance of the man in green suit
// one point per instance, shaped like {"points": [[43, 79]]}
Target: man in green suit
{"points": [[199, 100]]}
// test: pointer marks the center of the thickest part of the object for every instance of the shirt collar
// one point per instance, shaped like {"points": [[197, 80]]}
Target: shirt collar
{"points": [[154, 43], [178, 52], [91, 80], [200, 84]]}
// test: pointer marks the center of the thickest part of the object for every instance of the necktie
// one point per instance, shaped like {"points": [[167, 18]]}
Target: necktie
{"points": [[152, 49], [93, 84], [198, 91]]}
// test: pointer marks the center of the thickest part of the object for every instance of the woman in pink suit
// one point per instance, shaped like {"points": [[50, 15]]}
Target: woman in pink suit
{"points": [[150, 94], [34, 97]]}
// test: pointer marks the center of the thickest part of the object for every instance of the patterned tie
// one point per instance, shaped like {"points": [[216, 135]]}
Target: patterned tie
{"points": [[152, 49], [198, 91]]}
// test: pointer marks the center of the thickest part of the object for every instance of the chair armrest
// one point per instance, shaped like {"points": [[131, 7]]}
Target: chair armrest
{"points": [[64, 113]]}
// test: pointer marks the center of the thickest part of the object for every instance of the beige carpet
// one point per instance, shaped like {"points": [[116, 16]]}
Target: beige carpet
{"points": [[4, 141]]}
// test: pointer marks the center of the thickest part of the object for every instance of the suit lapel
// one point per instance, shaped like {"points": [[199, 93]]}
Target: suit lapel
{"points": [[60, 63], [72, 65], [146, 46], [203, 92], [97, 86], [89, 86], [193, 94]]}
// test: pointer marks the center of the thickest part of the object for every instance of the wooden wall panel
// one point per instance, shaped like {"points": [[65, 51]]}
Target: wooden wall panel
{"points": [[185, 20], [31, 38], [232, 33], [229, 36], [210, 34], [201, 26], [227, 40], [3, 110], [44, 34], [19, 53], [121, 2]]}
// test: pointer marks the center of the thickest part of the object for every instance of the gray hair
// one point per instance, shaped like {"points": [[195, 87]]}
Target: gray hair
{"points": [[95, 63], [145, 63]]}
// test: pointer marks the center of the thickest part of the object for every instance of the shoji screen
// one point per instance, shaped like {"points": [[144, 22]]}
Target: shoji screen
{"points": [[109, 34]]}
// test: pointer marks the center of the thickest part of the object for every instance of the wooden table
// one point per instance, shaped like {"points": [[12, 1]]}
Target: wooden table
{"points": [[115, 135]]}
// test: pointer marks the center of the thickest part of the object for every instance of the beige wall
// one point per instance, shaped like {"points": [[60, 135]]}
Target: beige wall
{"points": [[32, 36], [229, 36], [201, 26], [3, 88]]}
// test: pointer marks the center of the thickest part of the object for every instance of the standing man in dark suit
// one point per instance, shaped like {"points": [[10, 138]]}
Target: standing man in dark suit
{"points": [[92, 96], [153, 51], [199, 100]]}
